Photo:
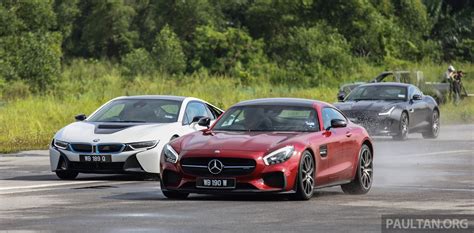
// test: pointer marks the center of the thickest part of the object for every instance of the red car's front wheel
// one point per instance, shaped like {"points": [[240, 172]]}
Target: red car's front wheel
{"points": [[305, 181]]}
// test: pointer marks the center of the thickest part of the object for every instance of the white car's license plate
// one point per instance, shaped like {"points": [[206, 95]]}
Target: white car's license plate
{"points": [[95, 158], [215, 183]]}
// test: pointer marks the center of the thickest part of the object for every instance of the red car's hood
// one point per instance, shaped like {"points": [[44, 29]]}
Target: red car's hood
{"points": [[236, 141]]}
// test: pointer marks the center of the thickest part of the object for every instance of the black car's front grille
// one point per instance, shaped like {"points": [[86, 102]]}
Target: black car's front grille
{"points": [[361, 115], [110, 148], [231, 166], [81, 147]]}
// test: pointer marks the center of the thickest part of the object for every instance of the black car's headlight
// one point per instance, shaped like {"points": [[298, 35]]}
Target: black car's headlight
{"points": [[60, 144], [170, 154], [279, 156], [387, 112], [143, 145]]}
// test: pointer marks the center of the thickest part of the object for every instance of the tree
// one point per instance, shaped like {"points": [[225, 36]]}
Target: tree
{"points": [[29, 48], [67, 12], [221, 52], [106, 31], [311, 53], [168, 52]]}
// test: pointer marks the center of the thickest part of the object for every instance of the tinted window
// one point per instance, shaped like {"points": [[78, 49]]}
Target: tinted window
{"points": [[331, 114], [269, 118], [138, 110], [378, 92], [216, 112], [196, 109]]}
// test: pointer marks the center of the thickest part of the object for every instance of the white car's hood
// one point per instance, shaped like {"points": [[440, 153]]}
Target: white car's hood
{"points": [[100, 132]]}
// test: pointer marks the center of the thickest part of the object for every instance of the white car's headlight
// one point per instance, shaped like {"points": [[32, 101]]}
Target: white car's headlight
{"points": [[60, 144], [143, 145], [170, 154], [279, 156], [387, 112]]}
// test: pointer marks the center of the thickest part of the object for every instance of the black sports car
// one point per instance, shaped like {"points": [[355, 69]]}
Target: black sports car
{"points": [[392, 109]]}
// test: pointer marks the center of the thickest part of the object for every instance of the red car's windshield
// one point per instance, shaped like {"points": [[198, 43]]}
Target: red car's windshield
{"points": [[269, 118]]}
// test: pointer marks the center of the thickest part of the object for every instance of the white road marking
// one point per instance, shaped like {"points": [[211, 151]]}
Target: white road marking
{"points": [[444, 152], [460, 206], [52, 186], [438, 153], [431, 188]]}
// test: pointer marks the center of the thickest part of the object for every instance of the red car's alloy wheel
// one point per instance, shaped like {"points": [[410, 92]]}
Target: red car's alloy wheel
{"points": [[365, 168], [305, 182]]}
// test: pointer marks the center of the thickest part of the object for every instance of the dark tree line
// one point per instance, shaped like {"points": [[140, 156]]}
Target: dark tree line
{"points": [[292, 40]]}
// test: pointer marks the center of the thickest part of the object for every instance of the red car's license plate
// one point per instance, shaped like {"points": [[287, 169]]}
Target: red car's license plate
{"points": [[95, 158], [215, 183]]}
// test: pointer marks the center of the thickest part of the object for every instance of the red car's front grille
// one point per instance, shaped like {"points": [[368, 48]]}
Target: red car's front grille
{"points": [[231, 166]]}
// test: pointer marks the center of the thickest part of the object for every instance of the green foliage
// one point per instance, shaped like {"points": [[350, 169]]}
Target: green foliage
{"points": [[137, 62], [312, 54], [67, 12], [16, 90], [32, 57], [29, 16], [106, 31], [227, 52], [452, 27], [168, 53], [306, 42]]}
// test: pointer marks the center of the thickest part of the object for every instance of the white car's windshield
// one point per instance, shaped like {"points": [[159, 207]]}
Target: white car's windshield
{"points": [[138, 110], [268, 118], [378, 92]]}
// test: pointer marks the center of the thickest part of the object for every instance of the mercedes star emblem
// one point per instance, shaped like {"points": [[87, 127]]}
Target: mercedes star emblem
{"points": [[215, 166], [96, 140]]}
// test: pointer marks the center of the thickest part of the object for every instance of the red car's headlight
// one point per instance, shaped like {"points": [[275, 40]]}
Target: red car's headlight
{"points": [[279, 156], [170, 154]]}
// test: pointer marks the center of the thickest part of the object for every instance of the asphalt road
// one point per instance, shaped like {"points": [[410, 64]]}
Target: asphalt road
{"points": [[416, 176]]}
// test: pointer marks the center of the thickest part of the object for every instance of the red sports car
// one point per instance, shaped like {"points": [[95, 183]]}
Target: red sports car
{"points": [[276, 145]]}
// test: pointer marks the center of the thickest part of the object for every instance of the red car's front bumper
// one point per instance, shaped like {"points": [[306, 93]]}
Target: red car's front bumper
{"points": [[261, 178]]}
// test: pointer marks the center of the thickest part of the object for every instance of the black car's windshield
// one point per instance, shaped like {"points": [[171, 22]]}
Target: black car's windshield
{"points": [[138, 110], [378, 92], [268, 118]]}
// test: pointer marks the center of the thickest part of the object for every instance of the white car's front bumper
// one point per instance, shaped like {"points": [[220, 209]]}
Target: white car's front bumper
{"points": [[123, 162]]}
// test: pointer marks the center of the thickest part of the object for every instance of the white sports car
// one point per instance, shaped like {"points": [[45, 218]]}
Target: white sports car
{"points": [[127, 134]]}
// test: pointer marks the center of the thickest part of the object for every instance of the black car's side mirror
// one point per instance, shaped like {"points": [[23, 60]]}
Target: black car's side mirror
{"points": [[417, 97], [80, 117], [337, 123], [204, 121], [341, 96]]}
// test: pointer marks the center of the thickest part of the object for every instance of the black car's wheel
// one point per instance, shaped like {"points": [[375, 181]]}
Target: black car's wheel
{"points": [[305, 182], [66, 175], [403, 129], [433, 131], [173, 194], [364, 175]]}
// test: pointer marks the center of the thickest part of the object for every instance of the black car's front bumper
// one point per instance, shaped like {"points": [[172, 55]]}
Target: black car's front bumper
{"points": [[379, 125]]}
